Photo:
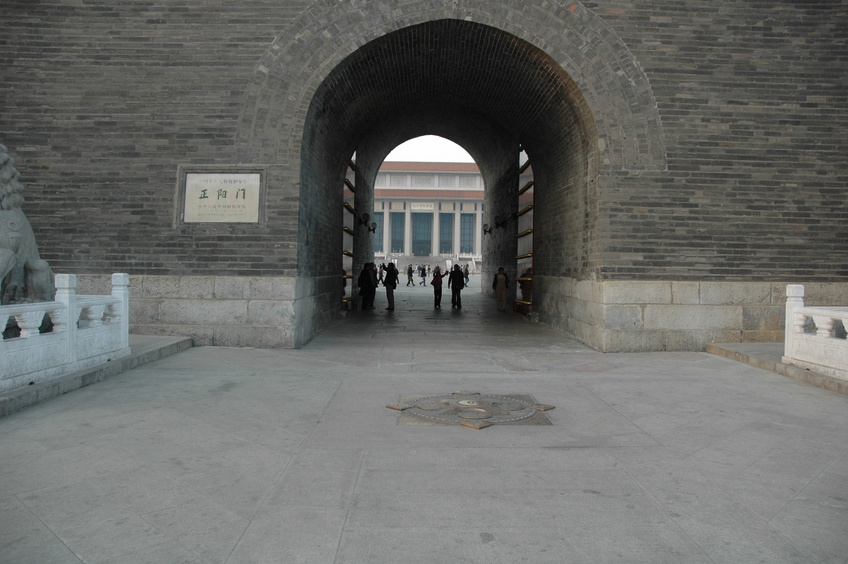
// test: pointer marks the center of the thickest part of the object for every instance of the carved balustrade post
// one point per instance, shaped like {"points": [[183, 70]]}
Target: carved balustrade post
{"points": [[794, 300], [29, 322], [121, 289], [93, 314], [66, 292], [824, 325], [59, 317]]}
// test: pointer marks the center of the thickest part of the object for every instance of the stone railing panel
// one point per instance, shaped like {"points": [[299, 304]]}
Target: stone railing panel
{"points": [[97, 332], [822, 349]]}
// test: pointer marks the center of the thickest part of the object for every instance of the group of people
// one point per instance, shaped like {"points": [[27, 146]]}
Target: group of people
{"points": [[456, 282], [387, 274], [370, 278], [423, 270]]}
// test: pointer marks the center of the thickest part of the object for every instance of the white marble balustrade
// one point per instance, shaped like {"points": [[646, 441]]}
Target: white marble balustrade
{"points": [[823, 349], [97, 332]]}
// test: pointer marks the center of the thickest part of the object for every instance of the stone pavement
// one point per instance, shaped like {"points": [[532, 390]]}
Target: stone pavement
{"points": [[223, 455]]}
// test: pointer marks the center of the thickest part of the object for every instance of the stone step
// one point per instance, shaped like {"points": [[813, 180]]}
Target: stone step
{"points": [[144, 349]]}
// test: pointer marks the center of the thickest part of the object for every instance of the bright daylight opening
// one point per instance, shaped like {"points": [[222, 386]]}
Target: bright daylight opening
{"points": [[428, 210], [429, 149]]}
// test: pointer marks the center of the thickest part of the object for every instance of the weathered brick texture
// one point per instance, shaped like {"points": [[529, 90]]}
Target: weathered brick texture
{"points": [[671, 140]]}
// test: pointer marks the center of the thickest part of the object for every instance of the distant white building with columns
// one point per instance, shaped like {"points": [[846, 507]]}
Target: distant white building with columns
{"points": [[428, 210]]}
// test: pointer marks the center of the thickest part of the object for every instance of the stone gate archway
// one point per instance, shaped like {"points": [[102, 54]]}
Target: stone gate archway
{"points": [[349, 77]]}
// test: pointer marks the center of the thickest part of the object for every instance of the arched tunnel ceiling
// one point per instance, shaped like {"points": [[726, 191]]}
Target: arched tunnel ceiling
{"points": [[479, 135], [422, 77], [462, 126]]}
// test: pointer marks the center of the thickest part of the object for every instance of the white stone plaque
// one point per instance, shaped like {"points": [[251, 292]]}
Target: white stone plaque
{"points": [[222, 197]]}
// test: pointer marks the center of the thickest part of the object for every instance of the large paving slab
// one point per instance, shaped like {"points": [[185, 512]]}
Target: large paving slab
{"points": [[224, 455]]}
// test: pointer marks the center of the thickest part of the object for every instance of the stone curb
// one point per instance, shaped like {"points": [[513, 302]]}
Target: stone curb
{"points": [[794, 372], [20, 398]]}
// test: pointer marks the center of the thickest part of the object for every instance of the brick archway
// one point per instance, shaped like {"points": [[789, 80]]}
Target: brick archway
{"points": [[609, 78], [638, 255], [345, 80]]}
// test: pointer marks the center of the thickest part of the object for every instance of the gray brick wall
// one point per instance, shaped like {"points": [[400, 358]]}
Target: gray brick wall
{"points": [[752, 98], [671, 140], [102, 100]]}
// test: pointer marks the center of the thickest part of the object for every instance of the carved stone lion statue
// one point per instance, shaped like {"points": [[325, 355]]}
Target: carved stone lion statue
{"points": [[24, 275]]}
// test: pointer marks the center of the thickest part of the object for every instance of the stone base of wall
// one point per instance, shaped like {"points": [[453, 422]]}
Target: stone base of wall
{"points": [[211, 310], [609, 316], [622, 316], [317, 306]]}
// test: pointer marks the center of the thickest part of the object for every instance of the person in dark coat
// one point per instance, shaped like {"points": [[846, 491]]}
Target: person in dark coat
{"points": [[436, 282], [456, 282], [390, 282], [367, 283], [501, 287]]}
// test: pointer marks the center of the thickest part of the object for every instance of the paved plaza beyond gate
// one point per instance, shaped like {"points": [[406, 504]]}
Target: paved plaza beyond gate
{"points": [[238, 455]]}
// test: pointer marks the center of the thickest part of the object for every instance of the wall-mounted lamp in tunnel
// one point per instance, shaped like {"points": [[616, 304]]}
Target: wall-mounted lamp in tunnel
{"points": [[363, 220], [488, 229]]}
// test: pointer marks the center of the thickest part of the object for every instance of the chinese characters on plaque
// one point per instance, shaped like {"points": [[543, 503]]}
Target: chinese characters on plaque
{"points": [[222, 197]]}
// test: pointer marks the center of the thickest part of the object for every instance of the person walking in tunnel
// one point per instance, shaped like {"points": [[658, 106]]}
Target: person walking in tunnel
{"points": [[501, 286], [390, 282], [456, 282], [367, 283], [526, 285], [436, 282]]}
